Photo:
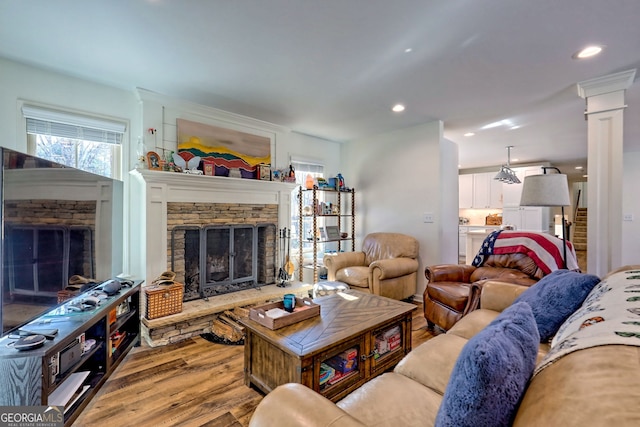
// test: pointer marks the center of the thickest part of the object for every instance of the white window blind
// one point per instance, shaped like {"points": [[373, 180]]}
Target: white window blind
{"points": [[61, 124], [303, 169]]}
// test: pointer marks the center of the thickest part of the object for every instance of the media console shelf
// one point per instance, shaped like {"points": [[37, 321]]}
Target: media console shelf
{"points": [[67, 368]]}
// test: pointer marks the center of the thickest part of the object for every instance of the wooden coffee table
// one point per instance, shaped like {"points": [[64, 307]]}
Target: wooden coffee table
{"points": [[377, 329]]}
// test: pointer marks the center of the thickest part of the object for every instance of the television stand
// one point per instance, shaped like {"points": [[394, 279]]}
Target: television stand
{"points": [[69, 369]]}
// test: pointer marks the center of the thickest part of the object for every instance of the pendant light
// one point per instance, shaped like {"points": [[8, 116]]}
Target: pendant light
{"points": [[506, 174]]}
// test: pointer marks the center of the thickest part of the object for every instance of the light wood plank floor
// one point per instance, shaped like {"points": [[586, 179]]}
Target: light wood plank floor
{"points": [[191, 383]]}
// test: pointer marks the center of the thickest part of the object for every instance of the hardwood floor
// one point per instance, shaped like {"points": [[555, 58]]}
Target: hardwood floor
{"points": [[191, 383]]}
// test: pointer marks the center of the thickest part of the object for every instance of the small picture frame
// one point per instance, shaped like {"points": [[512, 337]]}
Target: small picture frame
{"points": [[332, 232], [209, 168], [264, 172], [153, 161]]}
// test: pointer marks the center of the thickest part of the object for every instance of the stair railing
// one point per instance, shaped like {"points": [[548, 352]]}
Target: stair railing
{"points": [[575, 210]]}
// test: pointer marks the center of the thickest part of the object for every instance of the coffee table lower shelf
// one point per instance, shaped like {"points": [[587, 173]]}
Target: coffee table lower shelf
{"points": [[355, 339]]}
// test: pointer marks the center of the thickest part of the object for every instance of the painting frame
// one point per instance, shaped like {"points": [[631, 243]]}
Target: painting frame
{"points": [[333, 233], [153, 161], [238, 149]]}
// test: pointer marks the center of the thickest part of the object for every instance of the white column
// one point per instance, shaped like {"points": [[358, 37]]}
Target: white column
{"points": [[605, 106]]}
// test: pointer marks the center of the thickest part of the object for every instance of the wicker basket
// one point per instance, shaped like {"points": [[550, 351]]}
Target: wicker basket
{"points": [[493, 219], [163, 300]]}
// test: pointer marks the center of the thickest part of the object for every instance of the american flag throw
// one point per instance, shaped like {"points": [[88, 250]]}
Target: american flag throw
{"points": [[544, 249]]}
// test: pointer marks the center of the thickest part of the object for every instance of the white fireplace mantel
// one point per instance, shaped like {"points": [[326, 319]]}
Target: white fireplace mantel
{"points": [[159, 188]]}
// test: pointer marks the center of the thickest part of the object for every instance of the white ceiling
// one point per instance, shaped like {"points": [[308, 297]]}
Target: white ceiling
{"points": [[334, 68]]}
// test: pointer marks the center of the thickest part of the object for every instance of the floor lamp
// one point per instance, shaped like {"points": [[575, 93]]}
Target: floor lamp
{"points": [[548, 190]]}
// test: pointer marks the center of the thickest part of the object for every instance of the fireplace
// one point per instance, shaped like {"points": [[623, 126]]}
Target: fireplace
{"points": [[218, 248], [189, 204], [215, 260], [180, 210]]}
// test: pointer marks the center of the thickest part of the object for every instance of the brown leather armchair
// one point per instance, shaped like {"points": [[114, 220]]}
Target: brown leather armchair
{"points": [[449, 295], [386, 266]]}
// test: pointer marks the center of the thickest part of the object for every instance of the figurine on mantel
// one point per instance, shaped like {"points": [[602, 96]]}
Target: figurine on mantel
{"points": [[141, 151], [190, 166]]}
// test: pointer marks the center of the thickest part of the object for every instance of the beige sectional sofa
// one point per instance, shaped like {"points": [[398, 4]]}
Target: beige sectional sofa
{"points": [[598, 386]]}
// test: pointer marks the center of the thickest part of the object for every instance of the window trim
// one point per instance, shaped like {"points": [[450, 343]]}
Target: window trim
{"points": [[38, 111]]}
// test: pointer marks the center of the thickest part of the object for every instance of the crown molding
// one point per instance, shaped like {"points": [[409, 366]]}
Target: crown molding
{"points": [[606, 84], [145, 95]]}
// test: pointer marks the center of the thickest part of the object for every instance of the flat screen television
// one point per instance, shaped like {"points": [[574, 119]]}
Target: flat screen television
{"points": [[57, 222]]}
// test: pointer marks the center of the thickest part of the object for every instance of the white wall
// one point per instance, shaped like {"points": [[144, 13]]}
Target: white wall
{"points": [[631, 206], [22, 82], [401, 175], [19, 82]]}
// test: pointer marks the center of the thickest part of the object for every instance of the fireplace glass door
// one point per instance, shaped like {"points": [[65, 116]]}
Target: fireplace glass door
{"points": [[228, 255], [215, 260]]}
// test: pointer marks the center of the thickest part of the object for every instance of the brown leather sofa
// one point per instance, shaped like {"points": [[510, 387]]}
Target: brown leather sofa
{"points": [[596, 387], [449, 296], [386, 266]]}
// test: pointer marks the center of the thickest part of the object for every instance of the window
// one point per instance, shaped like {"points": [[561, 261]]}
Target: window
{"points": [[302, 169], [87, 143]]}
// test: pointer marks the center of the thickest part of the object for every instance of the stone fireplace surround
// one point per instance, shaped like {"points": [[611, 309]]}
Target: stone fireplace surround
{"points": [[163, 189], [196, 217]]}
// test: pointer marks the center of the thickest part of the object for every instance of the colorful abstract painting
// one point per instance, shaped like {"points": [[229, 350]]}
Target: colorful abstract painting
{"points": [[228, 149]]}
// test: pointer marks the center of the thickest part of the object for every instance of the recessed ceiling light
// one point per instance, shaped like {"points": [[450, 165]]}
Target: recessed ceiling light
{"points": [[514, 127], [408, 50], [398, 108], [587, 52], [579, 168], [469, 134]]}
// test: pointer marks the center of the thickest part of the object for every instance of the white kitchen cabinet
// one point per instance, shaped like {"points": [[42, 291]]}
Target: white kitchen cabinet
{"points": [[465, 191], [479, 191], [527, 218], [462, 241], [495, 191], [487, 192]]}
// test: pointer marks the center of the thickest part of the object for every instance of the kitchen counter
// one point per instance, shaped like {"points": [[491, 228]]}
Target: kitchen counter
{"points": [[479, 226], [475, 237], [463, 229]]}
